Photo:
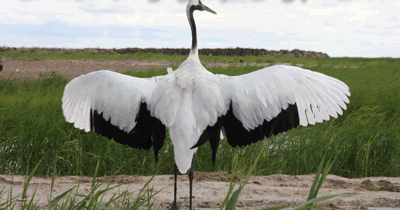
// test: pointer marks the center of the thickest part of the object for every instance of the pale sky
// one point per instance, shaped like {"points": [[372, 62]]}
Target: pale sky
{"points": [[368, 28]]}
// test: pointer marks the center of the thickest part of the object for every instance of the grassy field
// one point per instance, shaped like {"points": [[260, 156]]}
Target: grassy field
{"points": [[366, 139]]}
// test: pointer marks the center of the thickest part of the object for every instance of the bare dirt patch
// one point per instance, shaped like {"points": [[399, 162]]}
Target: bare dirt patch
{"points": [[32, 68], [113, 179], [380, 185], [75, 68], [211, 188], [212, 176]]}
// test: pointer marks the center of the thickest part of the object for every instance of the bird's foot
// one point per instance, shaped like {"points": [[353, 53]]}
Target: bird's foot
{"points": [[174, 206]]}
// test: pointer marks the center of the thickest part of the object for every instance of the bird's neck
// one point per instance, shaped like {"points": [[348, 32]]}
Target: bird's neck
{"points": [[193, 50]]}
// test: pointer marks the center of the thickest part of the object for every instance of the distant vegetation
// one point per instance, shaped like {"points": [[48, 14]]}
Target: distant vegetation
{"points": [[172, 51], [366, 139]]}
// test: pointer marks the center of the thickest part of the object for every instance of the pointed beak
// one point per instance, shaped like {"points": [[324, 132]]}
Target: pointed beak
{"points": [[208, 9]]}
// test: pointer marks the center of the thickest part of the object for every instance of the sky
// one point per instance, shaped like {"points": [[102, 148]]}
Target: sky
{"points": [[341, 28]]}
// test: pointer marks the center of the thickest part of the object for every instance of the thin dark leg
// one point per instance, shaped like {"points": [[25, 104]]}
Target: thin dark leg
{"points": [[174, 205], [191, 176]]}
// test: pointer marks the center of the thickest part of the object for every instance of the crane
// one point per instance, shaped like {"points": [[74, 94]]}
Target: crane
{"points": [[196, 105]]}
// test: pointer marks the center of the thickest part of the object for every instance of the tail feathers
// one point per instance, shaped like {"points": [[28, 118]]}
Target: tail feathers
{"points": [[184, 134], [183, 141], [182, 160]]}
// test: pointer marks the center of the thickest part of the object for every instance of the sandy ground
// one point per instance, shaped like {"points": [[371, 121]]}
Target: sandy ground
{"points": [[210, 189], [74, 68]]}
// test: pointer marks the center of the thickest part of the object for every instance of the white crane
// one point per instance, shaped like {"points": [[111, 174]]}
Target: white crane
{"points": [[196, 105]]}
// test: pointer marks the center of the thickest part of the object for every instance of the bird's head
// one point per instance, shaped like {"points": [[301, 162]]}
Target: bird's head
{"points": [[197, 5]]}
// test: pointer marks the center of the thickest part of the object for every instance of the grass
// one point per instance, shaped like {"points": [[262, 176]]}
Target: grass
{"points": [[71, 199], [94, 199], [206, 58], [231, 200], [365, 139]]}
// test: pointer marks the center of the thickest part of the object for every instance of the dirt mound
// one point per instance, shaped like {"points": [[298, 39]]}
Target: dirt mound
{"points": [[120, 179], [381, 185], [200, 176], [212, 176], [337, 184], [177, 51]]}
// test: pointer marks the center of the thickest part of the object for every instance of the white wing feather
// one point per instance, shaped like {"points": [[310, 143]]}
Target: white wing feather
{"points": [[115, 95], [261, 95]]}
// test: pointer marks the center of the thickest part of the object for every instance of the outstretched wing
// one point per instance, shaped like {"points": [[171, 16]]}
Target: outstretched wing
{"points": [[273, 100], [114, 105]]}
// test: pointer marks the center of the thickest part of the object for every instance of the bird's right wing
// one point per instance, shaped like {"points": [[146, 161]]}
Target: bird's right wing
{"points": [[114, 105]]}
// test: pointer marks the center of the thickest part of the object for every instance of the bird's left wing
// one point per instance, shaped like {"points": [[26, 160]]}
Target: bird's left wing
{"points": [[273, 100], [114, 105]]}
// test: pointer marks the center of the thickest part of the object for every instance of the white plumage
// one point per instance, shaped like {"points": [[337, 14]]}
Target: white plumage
{"points": [[115, 95], [196, 105], [191, 98], [261, 95]]}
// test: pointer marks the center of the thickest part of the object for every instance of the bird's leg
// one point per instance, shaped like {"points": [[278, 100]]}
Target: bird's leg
{"points": [[191, 176], [174, 205]]}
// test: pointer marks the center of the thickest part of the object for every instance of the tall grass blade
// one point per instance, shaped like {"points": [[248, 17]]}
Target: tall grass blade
{"points": [[29, 179], [312, 193], [141, 196], [94, 186], [55, 201], [101, 206], [310, 203], [231, 205], [99, 193], [327, 168], [231, 184], [53, 177], [31, 205], [95, 173]]}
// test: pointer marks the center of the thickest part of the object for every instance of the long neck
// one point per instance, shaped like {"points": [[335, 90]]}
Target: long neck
{"points": [[193, 27]]}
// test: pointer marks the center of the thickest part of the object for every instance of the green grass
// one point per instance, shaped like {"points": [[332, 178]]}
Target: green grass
{"points": [[366, 139], [71, 199]]}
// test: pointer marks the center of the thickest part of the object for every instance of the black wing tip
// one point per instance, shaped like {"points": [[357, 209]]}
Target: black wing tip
{"points": [[237, 135], [196, 145], [148, 132], [205, 136]]}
